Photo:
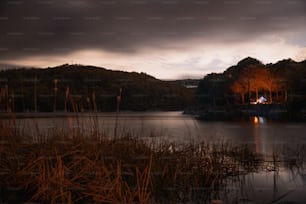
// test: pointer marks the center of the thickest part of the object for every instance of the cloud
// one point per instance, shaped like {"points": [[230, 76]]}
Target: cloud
{"points": [[301, 54], [195, 60], [46, 30]]}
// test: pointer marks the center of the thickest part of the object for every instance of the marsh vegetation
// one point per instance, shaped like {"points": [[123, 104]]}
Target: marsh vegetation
{"points": [[94, 167]]}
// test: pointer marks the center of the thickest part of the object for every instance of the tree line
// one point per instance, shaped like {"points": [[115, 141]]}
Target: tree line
{"points": [[281, 83], [77, 88]]}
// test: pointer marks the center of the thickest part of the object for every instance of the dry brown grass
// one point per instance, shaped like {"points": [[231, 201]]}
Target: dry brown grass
{"points": [[78, 168]]}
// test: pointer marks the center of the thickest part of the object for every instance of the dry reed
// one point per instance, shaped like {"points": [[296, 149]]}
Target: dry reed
{"points": [[77, 168]]}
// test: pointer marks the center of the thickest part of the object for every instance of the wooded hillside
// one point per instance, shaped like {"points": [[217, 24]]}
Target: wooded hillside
{"points": [[281, 83], [87, 88]]}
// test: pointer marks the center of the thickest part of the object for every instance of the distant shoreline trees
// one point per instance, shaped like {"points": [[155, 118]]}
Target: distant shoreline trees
{"points": [[77, 88], [283, 82]]}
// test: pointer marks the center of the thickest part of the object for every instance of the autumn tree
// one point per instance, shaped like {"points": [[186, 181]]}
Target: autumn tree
{"points": [[239, 88]]}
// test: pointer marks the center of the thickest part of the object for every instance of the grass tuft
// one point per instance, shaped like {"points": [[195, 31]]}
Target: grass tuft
{"points": [[76, 167]]}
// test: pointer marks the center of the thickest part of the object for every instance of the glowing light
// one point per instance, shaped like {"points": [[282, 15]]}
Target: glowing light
{"points": [[256, 120], [261, 100], [259, 120]]}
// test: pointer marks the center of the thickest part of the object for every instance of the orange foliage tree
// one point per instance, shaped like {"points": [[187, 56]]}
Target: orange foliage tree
{"points": [[255, 80]]}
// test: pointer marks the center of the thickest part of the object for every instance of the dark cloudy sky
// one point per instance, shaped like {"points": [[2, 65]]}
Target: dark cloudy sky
{"points": [[164, 38]]}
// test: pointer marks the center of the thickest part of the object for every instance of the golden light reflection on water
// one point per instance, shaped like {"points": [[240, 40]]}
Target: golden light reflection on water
{"points": [[256, 134], [255, 120], [259, 120], [259, 134]]}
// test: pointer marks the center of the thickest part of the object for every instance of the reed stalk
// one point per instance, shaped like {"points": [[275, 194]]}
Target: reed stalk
{"points": [[90, 167]]}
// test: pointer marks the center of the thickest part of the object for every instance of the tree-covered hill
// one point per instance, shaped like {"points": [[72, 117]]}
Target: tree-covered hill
{"points": [[87, 88], [281, 83]]}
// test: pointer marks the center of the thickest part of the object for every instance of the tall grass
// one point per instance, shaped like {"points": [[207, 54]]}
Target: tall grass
{"points": [[78, 167]]}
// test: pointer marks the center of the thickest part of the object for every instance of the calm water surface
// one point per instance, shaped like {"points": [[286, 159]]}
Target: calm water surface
{"points": [[176, 127], [287, 185]]}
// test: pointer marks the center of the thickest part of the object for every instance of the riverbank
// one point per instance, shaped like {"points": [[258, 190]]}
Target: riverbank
{"points": [[274, 112], [7, 115]]}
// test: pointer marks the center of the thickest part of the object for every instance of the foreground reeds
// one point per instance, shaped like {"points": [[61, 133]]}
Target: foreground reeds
{"points": [[91, 168]]}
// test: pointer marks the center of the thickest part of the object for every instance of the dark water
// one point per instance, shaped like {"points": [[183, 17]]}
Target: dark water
{"points": [[284, 184]]}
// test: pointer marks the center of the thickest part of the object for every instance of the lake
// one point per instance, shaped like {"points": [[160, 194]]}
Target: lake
{"points": [[286, 184]]}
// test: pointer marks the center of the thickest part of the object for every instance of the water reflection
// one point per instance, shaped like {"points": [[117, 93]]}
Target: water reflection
{"points": [[175, 127], [261, 130], [280, 178]]}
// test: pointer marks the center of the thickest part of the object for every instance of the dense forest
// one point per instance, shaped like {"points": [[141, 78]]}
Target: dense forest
{"points": [[77, 88], [240, 86]]}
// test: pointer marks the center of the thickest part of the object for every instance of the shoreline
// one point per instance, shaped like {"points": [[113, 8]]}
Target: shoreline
{"points": [[272, 112], [21, 115]]}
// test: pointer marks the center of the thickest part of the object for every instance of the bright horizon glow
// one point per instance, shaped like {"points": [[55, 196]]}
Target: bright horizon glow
{"points": [[188, 60]]}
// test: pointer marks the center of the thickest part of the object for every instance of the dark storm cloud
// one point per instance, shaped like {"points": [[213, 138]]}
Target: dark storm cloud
{"points": [[51, 27]]}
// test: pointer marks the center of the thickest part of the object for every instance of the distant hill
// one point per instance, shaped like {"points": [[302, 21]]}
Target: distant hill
{"points": [[87, 88], [188, 83]]}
